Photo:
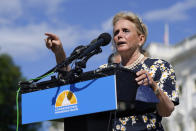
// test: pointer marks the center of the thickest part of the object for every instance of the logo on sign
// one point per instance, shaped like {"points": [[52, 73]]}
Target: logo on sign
{"points": [[66, 102]]}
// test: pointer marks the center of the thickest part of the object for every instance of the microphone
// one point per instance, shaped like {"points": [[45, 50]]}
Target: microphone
{"points": [[103, 40]]}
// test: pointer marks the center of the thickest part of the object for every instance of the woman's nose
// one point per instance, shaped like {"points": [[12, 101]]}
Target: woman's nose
{"points": [[120, 35]]}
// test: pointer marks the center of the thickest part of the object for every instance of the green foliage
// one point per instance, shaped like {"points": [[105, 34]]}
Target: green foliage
{"points": [[10, 75]]}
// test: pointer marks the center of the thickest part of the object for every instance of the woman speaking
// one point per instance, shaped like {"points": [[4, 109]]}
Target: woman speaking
{"points": [[129, 36]]}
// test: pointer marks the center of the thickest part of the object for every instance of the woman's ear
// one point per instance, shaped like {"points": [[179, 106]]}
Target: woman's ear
{"points": [[142, 38]]}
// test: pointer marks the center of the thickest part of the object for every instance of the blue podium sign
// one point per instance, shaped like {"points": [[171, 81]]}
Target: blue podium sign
{"points": [[92, 96]]}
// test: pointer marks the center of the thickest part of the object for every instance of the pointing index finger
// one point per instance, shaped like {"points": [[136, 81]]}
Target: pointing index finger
{"points": [[53, 36]]}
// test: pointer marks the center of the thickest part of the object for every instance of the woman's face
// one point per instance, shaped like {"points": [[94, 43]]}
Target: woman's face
{"points": [[126, 37]]}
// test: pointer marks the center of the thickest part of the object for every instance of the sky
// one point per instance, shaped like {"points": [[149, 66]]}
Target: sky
{"points": [[77, 22]]}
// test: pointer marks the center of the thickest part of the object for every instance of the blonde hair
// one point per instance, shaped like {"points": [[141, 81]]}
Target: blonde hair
{"points": [[141, 27]]}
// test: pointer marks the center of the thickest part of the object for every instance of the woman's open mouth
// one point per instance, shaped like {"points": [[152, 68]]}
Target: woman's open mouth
{"points": [[120, 43]]}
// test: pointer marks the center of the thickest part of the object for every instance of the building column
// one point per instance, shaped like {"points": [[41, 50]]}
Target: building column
{"points": [[188, 85]]}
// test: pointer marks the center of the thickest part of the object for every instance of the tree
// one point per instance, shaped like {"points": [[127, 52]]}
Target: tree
{"points": [[10, 75]]}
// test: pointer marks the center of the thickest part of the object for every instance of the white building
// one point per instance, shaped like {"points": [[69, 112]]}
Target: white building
{"points": [[183, 57]]}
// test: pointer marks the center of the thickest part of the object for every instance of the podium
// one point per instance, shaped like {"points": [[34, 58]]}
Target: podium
{"points": [[87, 102]]}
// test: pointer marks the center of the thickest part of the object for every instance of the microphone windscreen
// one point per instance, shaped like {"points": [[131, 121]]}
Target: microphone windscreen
{"points": [[106, 37]]}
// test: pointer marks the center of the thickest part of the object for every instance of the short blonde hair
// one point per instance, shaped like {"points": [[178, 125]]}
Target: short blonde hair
{"points": [[141, 27]]}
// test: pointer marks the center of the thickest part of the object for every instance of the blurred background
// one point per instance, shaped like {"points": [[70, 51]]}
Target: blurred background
{"points": [[23, 55]]}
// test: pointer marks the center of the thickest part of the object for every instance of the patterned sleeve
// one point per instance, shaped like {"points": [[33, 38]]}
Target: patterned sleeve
{"points": [[167, 80]]}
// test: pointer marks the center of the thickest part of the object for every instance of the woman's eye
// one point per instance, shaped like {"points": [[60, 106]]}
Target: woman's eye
{"points": [[116, 32], [125, 30]]}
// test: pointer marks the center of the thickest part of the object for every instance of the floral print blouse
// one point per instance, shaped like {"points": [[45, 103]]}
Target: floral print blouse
{"points": [[163, 73]]}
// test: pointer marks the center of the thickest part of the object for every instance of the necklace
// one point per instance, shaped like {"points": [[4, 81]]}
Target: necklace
{"points": [[136, 62]]}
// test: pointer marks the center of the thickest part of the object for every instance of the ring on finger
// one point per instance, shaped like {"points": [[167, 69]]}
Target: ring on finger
{"points": [[147, 78], [143, 81]]}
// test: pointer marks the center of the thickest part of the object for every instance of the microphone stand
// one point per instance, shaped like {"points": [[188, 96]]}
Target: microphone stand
{"points": [[67, 77], [74, 55]]}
